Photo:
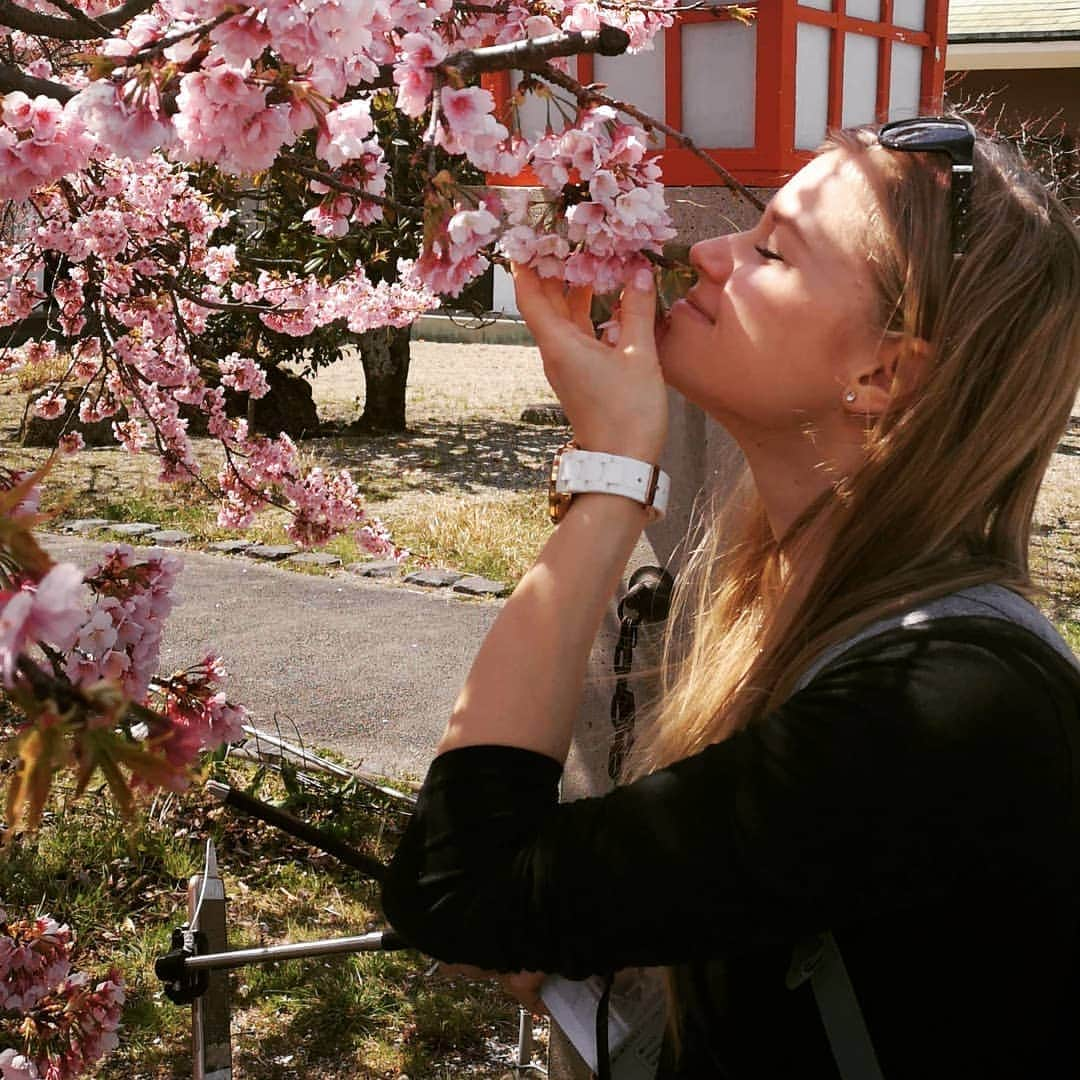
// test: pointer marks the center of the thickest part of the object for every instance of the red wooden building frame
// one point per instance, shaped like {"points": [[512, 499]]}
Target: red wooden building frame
{"points": [[774, 156]]}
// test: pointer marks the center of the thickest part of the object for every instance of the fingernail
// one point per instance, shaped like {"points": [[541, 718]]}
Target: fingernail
{"points": [[643, 279]]}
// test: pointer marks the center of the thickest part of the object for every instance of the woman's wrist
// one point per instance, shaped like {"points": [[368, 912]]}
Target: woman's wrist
{"points": [[629, 446], [610, 510]]}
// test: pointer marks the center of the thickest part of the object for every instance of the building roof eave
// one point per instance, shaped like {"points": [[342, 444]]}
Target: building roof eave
{"points": [[1007, 36], [1012, 55]]}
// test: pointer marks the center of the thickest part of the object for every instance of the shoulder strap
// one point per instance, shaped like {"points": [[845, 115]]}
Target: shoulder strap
{"points": [[987, 601], [818, 958]]}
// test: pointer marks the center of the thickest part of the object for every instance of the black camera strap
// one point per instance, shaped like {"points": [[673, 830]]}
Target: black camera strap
{"points": [[647, 599]]}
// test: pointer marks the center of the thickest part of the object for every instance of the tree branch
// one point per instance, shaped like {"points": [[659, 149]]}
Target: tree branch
{"points": [[80, 18], [347, 189], [533, 53], [588, 95], [164, 43], [13, 77], [17, 17]]}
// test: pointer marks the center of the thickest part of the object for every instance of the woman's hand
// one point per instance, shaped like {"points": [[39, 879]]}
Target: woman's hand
{"points": [[613, 394], [523, 986]]}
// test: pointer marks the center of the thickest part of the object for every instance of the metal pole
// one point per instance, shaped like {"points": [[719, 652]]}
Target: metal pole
{"points": [[211, 1044], [525, 1042], [246, 804], [375, 942]]}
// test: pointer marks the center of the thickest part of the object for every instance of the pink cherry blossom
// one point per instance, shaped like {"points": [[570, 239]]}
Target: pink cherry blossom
{"points": [[50, 611], [346, 129], [243, 374]]}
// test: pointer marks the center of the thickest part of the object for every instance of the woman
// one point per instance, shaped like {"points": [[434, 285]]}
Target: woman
{"points": [[897, 354]]}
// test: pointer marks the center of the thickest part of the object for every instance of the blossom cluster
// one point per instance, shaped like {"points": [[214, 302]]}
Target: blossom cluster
{"points": [[452, 256], [40, 139], [120, 639], [615, 208], [35, 956], [66, 1022], [99, 635], [193, 714]]}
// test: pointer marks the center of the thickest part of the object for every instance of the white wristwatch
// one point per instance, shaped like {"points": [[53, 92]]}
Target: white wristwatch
{"points": [[575, 472]]}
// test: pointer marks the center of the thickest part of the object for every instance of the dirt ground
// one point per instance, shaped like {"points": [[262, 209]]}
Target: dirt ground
{"points": [[463, 406]]}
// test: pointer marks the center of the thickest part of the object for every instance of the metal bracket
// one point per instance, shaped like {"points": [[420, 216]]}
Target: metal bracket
{"points": [[183, 984]]}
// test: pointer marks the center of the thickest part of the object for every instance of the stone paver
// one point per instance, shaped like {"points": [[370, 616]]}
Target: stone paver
{"points": [[435, 578], [271, 552], [474, 585], [315, 558], [82, 526], [229, 547], [168, 537], [134, 528], [376, 568]]}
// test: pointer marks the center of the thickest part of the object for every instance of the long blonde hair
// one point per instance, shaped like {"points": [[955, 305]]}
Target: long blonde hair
{"points": [[946, 494]]}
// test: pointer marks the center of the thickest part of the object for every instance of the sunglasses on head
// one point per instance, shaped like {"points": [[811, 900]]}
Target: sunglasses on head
{"points": [[941, 135]]}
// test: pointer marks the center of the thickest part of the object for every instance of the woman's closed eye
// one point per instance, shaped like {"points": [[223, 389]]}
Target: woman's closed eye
{"points": [[765, 253]]}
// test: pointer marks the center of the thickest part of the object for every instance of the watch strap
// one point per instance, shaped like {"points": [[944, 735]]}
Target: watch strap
{"points": [[582, 471]]}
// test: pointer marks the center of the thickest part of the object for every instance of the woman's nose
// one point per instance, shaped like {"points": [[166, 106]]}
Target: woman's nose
{"points": [[712, 258]]}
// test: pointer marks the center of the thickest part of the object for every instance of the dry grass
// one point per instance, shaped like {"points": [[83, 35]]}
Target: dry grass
{"points": [[498, 537], [34, 376]]}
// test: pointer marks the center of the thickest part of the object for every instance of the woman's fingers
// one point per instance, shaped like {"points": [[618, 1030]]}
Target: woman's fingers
{"points": [[534, 303], [545, 307], [637, 311], [580, 303], [525, 987]]}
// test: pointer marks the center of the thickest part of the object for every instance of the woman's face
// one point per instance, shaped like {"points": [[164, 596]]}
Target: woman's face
{"points": [[782, 317]]}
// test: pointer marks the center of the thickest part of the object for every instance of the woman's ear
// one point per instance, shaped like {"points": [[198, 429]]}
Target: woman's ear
{"points": [[894, 374]]}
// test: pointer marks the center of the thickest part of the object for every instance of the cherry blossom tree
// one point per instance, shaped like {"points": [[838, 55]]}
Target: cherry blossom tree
{"points": [[109, 118], [114, 122]]}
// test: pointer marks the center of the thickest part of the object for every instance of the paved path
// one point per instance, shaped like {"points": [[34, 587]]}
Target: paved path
{"points": [[369, 669]]}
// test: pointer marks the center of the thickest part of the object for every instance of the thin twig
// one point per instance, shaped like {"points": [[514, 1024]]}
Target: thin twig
{"points": [[587, 95], [347, 189], [173, 39]]}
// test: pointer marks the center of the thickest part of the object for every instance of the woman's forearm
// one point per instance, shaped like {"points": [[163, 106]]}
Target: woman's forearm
{"points": [[525, 684]]}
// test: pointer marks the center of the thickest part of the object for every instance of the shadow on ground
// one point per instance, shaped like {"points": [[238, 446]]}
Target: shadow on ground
{"points": [[451, 457]]}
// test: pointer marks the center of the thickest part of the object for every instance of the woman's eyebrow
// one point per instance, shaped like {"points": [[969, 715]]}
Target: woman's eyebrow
{"points": [[791, 225]]}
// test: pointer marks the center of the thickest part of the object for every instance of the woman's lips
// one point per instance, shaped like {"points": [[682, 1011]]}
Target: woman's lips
{"points": [[687, 305]]}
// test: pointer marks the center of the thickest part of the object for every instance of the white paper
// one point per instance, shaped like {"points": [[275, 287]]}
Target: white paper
{"points": [[637, 1012]]}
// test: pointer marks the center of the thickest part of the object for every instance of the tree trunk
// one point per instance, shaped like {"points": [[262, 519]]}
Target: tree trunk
{"points": [[385, 355]]}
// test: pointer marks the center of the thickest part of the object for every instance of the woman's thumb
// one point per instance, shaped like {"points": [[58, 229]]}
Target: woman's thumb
{"points": [[637, 309]]}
